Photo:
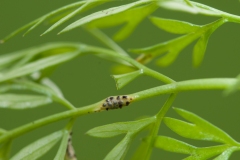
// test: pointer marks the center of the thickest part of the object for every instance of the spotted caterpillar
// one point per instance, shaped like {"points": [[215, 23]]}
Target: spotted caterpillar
{"points": [[115, 102]]}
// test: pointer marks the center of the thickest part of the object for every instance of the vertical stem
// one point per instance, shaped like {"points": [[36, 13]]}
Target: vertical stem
{"points": [[159, 117]]}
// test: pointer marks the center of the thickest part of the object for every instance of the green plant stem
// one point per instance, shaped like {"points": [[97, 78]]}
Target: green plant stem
{"points": [[159, 116], [189, 85], [201, 84], [66, 103], [47, 120]]}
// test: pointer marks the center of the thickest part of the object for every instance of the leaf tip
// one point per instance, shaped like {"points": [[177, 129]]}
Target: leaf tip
{"points": [[116, 82], [2, 41]]}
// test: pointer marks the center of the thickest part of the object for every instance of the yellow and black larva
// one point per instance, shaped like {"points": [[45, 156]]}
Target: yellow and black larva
{"points": [[115, 102]]}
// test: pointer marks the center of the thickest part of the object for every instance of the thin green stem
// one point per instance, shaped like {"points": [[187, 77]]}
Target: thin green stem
{"points": [[66, 103], [47, 120], [189, 85], [201, 84], [155, 129]]}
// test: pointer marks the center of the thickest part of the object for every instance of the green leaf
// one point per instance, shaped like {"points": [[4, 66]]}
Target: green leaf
{"points": [[227, 153], [172, 48], [233, 88], [207, 152], [115, 129], [2, 131], [123, 79], [86, 6], [19, 58], [168, 59], [173, 145], [62, 149], [120, 150], [116, 16], [50, 84], [189, 7], [174, 26], [39, 88], [5, 150], [179, 5], [199, 128], [38, 148], [32, 25], [16, 101], [37, 65], [199, 49]]}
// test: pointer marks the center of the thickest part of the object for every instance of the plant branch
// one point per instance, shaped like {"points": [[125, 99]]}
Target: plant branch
{"points": [[154, 130], [189, 85]]}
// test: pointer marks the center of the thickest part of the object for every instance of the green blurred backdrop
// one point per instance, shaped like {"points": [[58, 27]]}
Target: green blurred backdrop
{"points": [[87, 79]]}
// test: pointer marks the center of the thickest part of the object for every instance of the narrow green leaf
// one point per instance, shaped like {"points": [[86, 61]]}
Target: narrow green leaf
{"points": [[14, 33], [16, 101], [38, 148], [178, 5], [168, 59], [16, 59], [37, 65], [2, 131], [120, 150], [227, 153], [201, 45], [200, 129], [199, 49], [32, 25], [110, 17], [233, 88], [62, 149], [115, 129], [174, 26], [123, 79], [207, 152], [172, 48], [50, 84], [189, 7], [173, 145], [5, 150], [133, 18], [10, 58], [86, 6]]}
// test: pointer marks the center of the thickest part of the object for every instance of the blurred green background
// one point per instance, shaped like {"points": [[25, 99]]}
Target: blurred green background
{"points": [[87, 79]]}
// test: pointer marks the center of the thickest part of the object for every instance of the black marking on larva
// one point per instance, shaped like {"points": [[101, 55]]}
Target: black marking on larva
{"points": [[107, 100], [124, 97], [107, 109], [127, 103], [104, 105], [111, 98]]}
